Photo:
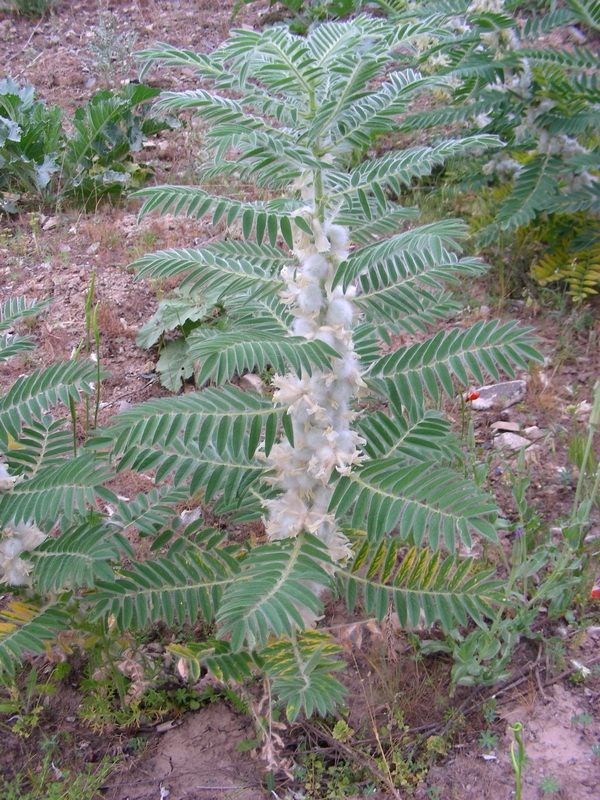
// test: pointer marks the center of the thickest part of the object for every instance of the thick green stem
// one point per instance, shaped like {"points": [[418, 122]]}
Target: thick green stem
{"points": [[319, 204]]}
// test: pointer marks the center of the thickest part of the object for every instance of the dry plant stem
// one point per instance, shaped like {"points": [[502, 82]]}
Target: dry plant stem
{"points": [[373, 720], [356, 756], [469, 705], [25, 46], [593, 423]]}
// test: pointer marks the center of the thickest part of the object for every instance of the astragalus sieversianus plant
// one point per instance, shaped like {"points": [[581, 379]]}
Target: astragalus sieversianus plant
{"points": [[346, 460]]}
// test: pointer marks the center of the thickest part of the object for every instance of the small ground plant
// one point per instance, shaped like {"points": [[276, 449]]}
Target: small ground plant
{"points": [[38, 160], [53, 780], [349, 461], [29, 8], [110, 52]]}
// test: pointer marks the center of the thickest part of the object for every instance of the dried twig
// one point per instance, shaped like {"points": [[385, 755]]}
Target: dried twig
{"points": [[363, 760]]}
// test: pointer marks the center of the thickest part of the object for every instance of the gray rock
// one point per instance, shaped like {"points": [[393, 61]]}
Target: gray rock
{"points": [[499, 395], [501, 425], [49, 223], [188, 516], [512, 441], [534, 433]]}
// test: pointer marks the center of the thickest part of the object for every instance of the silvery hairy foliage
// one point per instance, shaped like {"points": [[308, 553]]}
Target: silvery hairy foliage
{"points": [[501, 73], [346, 459], [502, 77]]}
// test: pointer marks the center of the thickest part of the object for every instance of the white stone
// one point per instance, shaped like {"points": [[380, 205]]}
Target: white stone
{"points": [[582, 410], [188, 516]]}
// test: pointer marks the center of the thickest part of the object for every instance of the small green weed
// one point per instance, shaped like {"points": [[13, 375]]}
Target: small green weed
{"points": [[27, 706], [110, 52], [582, 719], [40, 162], [322, 779], [489, 710], [549, 786], [29, 8], [488, 740], [51, 780]]}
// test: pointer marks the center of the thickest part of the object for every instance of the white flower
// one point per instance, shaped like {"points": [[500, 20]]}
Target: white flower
{"points": [[289, 389], [340, 312], [10, 548], [584, 671], [6, 481], [327, 335], [30, 536], [17, 574], [338, 547], [482, 120], [287, 516], [310, 299], [315, 267], [338, 238], [315, 437], [302, 326], [15, 540]]}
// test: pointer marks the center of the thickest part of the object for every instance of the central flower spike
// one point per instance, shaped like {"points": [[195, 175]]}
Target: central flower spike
{"points": [[318, 405]]}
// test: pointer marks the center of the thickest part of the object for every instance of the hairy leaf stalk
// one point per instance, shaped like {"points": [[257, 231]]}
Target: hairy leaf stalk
{"points": [[318, 405]]}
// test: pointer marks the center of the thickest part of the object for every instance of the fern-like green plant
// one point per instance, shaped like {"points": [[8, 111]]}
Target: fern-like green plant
{"points": [[314, 281], [13, 311], [543, 102]]}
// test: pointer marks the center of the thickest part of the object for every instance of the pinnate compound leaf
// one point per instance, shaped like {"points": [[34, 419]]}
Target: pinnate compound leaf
{"points": [[26, 628], [301, 673], [58, 492], [271, 595], [78, 557], [423, 500], [421, 586], [32, 396]]}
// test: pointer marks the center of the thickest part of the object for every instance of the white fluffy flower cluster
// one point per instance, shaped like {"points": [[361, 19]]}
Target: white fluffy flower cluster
{"points": [[502, 165], [486, 6], [501, 40], [318, 405], [435, 62], [14, 540], [530, 130], [6, 481], [559, 145]]}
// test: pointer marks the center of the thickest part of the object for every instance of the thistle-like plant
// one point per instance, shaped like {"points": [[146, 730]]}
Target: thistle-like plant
{"points": [[349, 462]]}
